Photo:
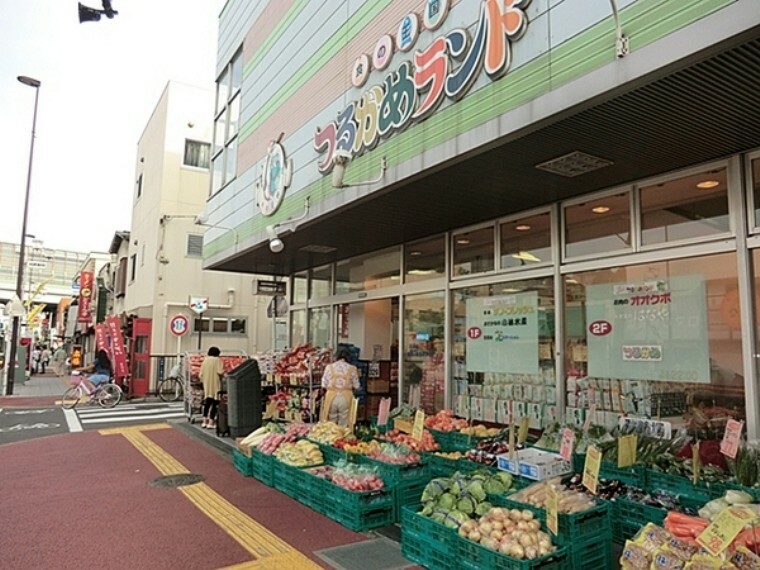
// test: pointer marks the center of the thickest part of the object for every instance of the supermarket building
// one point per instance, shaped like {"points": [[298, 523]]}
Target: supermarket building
{"points": [[545, 208]]}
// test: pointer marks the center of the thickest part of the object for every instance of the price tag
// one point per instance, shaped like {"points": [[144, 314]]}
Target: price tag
{"points": [[552, 510], [353, 413], [730, 444], [419, 425], [591, 468], [511, 441], [724, 529], [270, 410], [522, 435], [696, 463], [627, 445], [382, 413], [568, 444]]}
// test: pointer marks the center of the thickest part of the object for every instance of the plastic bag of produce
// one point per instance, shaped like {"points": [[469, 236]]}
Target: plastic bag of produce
{"points": [[467, 504], [436, 488]]}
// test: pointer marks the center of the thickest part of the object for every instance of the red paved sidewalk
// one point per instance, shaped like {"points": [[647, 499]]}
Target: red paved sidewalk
{"points": [[82, 501]]}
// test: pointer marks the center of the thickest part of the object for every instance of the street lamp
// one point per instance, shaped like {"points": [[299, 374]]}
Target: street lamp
{"points": [[11, 361]]}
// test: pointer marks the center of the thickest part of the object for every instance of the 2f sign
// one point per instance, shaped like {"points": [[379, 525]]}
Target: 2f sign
{"points": [[600, 328]]}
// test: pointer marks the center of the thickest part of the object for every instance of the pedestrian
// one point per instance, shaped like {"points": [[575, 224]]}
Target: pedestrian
{"points": [[59, 360], [45, 357], [34, 365], [341, 380], [211, 374]]}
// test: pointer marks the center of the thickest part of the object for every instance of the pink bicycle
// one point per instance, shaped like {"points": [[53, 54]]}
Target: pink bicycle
{"points": [[107, 395]]}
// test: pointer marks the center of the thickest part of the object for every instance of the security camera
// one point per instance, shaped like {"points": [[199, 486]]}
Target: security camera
{"points": [[340, 159]]}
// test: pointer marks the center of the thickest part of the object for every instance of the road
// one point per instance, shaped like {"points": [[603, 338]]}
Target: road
{"points": [[19, 424]]}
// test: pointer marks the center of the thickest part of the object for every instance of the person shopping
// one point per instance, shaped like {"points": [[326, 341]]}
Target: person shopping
{"points": [[341, 380], [59, 360], [211, 374]]}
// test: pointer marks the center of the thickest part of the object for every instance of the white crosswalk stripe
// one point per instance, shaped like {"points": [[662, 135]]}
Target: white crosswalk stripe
{"points": [[143, 413]]}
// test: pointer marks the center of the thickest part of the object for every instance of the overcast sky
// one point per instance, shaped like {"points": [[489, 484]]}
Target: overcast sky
{"points": [[100, 83]]}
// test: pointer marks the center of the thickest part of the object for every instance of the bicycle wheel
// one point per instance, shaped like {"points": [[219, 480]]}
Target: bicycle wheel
{"points": [[71, 397], [109, 396], [170, 390]]}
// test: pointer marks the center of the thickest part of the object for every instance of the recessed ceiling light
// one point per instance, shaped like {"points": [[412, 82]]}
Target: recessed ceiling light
{"points": [[707, 184], [600, 209], [463, 241], [415, 252], [522, 227]]}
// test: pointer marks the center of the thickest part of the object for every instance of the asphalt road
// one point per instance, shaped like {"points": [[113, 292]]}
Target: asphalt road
{"points": [[19, 424]]}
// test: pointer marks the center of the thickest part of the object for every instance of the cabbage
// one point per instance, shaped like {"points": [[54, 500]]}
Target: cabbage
{"points": [[494, 486], [427, 510], [476, 490], [458, 486], [483, 508], [505, 478], [456, 518], [438, 487], [446, 501], [467, 504], [439, 515]]}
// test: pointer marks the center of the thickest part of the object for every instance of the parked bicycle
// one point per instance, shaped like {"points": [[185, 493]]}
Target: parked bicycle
{"points": [[171, 388], [106, 395]]}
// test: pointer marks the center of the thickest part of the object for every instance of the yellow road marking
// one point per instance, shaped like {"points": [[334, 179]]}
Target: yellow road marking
{"points": [[269, 550]]}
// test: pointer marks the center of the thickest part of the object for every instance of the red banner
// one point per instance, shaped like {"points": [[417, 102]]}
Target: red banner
{"points": [[101, 342], [118, 354], [84, 312]]}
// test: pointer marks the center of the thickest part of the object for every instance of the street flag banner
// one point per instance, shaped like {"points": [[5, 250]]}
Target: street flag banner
{"points": [[84, 313], [101, 342], [118, 354]]}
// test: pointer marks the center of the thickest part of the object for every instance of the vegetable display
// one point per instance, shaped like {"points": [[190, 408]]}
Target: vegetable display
{"points": [[451, 500], [302, 453], [569, 501], [512, 532], [427, 443]]}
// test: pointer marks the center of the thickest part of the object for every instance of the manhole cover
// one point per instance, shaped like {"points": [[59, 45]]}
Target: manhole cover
{"points": [[177, 480]]}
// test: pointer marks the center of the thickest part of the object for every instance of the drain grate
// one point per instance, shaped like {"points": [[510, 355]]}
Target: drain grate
{"points": [[377, 554], [172, 481]]}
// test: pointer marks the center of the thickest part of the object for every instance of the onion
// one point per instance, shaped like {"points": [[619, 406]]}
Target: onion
{"points": [[497, 535], [505, 547], [526, 539], [515, 514], [490, 543], [474, 536], [517, 551], [522, 525], [531, 552], [497, 525], [486, 527], [534, 525], [498, 513], [527, 515], [463, 531]]}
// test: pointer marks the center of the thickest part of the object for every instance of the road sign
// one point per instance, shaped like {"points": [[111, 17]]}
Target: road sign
{"points": [[33, 263], [199, 304], [179, 325]]}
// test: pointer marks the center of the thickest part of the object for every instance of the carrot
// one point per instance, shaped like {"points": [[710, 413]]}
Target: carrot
{"points": [[680, 518]]}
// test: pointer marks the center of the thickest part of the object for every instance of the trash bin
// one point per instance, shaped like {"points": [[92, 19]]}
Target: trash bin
{"points": [[244, 398]]}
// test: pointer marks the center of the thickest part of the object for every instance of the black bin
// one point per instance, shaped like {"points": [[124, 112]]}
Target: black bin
{"points": [[244, 398]]}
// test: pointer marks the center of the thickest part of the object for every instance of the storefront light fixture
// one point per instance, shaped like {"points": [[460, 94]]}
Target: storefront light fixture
{"points": [[707, 184], [340, 160], [415, 253], [276, 245], [522, 227], [463, 241], [600, 209]]}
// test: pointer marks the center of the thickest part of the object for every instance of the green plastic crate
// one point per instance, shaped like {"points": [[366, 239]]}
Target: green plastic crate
{"points": [[262, 467], [573, 527], [441, 466], [408, 494], [420, 549], [454, 440], [433, 533], [473, 556], [242, 463], [633, 475], [394, 474], [595, 553], [629, 516], [682, 487]]}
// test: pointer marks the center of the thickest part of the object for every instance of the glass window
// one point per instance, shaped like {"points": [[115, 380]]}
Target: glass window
{"points": [[756, 189], [300, 287], [237, 72], [196, 154], [297, 327], [230, 165], [600, 225], [424, 377], [526, 241], [381, 269], [685, 208], [223, 89], [474, 251], [662, 339], [321, 281], [320, 327], [220, 133], [425, 259], [237, 326], [219, 325], [200, 325], [234, 113], [216, 174], [503, 350]]}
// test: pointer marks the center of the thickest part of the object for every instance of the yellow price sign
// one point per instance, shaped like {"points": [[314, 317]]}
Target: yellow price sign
{"points": [[552, 510], [591, 468], [627, 445], [724, 529], [511, 441], [522, 435], [270, 411], [419, 425]]}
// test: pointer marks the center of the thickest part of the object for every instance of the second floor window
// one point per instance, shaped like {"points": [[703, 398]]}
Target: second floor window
{"points": [[197, 154]]}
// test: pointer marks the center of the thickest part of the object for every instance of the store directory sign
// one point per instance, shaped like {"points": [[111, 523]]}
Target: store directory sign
{"points": [[652, 329]]}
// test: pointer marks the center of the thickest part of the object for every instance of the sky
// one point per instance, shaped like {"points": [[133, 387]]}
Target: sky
{"points": [[100, 84]]}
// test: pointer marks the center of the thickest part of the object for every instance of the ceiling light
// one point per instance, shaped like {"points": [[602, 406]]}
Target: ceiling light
{"points": [[421, 271], [463, 241], [707, 184], [522, 227], [600, 209], [415, 253], [574, 164]]}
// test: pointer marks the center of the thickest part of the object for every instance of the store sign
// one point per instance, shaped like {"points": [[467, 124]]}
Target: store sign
{"points": [[446, 68], [101, 341], [649, 330], [118, 351], [275, 177], [502, 333], [84, 311], [263, 287]]}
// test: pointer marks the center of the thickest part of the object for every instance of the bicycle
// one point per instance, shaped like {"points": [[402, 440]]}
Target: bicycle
{"points": [[171, 388], [107, 395]]}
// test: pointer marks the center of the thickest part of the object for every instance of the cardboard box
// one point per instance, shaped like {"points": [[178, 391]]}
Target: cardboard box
{"points": [[534, 464], [244, 449], [375, 386]]}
